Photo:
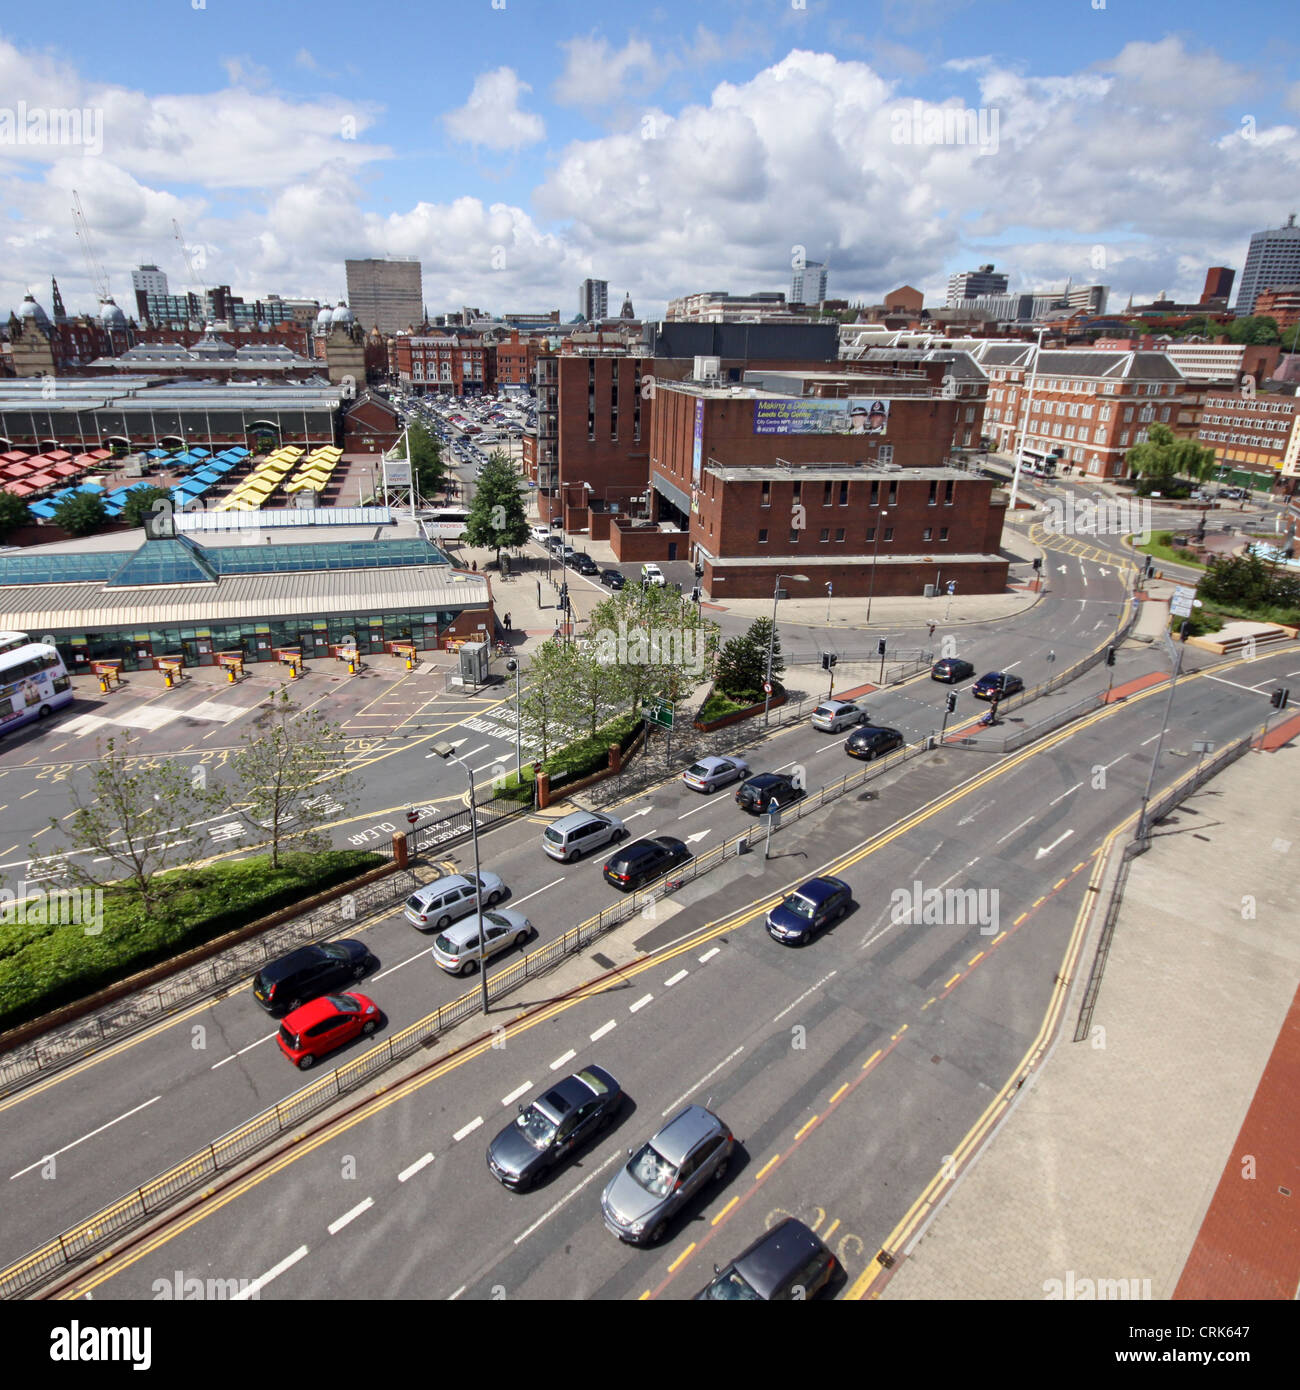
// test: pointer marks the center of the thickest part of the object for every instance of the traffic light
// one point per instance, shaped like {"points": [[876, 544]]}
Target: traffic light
{"points": [[880, 647], [1280, 697], [1150, 569], [1110, 656], [1038, 562], [952, 701], [828, 661]]}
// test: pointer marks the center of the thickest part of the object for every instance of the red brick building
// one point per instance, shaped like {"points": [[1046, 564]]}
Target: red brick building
{"points": [[1249, 429], [749, 482], [449, 364], [370, 425], [516, 360]]}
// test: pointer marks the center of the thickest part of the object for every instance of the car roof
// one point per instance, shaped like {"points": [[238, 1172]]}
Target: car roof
{"points": [[817, 890], [775, 1255], [713, 759], [310, 1013], [681, 1134], [440, 884], [295, 960], [765, 779], [577, 818]]}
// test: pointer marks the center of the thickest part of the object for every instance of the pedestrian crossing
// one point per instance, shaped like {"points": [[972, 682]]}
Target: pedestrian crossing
{"points": [[152, 717]]}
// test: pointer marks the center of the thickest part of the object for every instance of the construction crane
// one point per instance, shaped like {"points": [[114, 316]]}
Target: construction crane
{"points": [[97, 277], [189, 267]]}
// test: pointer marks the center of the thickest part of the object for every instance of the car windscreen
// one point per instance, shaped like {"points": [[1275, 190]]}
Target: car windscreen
{"points": [[801, 907], [535, 1127], [730, 1287], [651, 1170]]}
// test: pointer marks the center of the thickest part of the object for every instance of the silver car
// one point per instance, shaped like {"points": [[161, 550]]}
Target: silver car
{"points": [[690, 1151], [833, 715], [457, 949], [438, 904], [711, 773]]}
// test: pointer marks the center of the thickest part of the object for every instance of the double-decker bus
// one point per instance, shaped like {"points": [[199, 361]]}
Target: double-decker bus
{"points": [[33, 681], [1039, 462]]}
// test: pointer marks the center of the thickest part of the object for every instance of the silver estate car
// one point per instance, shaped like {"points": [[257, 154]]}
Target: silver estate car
{"points": [[438, 904], [690, 1151], [457, 948], [833, 715]]}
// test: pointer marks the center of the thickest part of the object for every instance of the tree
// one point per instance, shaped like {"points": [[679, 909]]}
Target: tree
{"points": [[546, 708], [1253, 329], [496, 516], [14, 512], [428, 471], [133, 819], [80, 513], [139, 504], [292, 776], [742, 663], [1163, 457]]}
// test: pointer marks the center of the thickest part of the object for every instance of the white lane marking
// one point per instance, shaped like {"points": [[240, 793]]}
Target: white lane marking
{"points": [[682, 1099], [457, 1294], [674, 979], [1112, 763], [1145, 741], [241, 1052], [263, 1280], [1060, 840], [705, 807], [44, 1157], [469, 1128], [975, 811], [415, 1168], [514, 902], [383, 974], [640, 1003], [336, 1226], [560, 1061], [603, 1029], [1010, 833], [516, 1093], [708, 955], [1254, 689], [546, 1215], [1064, 794], [804, 996], [1012, 667]]}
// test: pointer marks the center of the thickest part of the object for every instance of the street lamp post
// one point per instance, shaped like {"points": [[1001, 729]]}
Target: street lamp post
{"points": [[1024, 424], [875, 553], [513, 666], [446, 751], [771, 639], [1142, 828]]}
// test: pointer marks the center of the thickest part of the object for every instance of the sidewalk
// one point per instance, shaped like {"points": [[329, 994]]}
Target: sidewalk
{"points": [[1126, 1156]]}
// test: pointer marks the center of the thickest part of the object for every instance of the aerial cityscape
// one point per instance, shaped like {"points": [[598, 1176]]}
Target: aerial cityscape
{"points": [[867, 432]]}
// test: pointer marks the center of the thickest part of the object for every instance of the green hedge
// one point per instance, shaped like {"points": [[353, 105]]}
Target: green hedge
{"points": [[718, 706], [44, 966]]}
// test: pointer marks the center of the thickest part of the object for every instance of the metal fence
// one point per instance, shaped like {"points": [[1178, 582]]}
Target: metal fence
{"points": [[62, 1046], [1156, 811]]}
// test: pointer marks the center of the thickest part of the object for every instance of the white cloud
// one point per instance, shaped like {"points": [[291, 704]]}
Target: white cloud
{"points": [[304, 59], [242, 71], [596, 77], [492, 117]]}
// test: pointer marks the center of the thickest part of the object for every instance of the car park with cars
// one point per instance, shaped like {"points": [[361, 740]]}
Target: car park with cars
{"points": [[997, 685], [833, 715], [950, 669], [710, 773], [873, 741], [643, 861], [322, 1026], [290, 981], [690, 1151], [800, 915], [438, 904], [554, 1127], [786, 1264], [758, 793], [457, 949], [574, 835]]}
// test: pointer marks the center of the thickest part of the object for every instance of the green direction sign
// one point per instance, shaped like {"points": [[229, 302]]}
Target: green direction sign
{"points": [[657, 712]]}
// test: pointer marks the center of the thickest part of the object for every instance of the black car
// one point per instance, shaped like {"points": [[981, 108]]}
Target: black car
{"points": [[757, 794], [584, 564], [872, 741], [281, 985], [800, 915], [631, 866], [612, 579], [784, 1265], [997, 685], [950, 669], [553, 1126]]}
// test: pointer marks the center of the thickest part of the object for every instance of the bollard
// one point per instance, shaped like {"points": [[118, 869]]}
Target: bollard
{"points": [[230, 675], [352, 668], [167, 678], [410, 663]]}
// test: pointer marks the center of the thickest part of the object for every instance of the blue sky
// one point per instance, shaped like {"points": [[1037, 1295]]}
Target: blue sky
{"points": [[515, 149]]}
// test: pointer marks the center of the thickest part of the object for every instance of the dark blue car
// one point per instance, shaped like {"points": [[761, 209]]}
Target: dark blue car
{"points": [[798, 917], [997, 685]]}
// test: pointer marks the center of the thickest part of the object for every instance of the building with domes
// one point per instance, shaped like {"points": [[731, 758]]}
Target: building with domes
{"points": [[64, 345]]}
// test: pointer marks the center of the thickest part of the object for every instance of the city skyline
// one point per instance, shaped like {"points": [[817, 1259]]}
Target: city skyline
{"points": [[664, 160]]}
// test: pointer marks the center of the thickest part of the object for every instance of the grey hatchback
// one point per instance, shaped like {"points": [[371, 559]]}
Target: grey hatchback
{"points": [[660, 1177]]}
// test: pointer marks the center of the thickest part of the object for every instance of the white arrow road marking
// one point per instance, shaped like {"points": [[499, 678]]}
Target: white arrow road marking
{"points": [[1061, 568], [978, 810], [1058, 841], [632, 815], [699, 835], [1105, 573]]}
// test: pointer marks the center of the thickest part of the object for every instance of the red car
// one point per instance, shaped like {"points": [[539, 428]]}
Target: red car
{"points": [[324, 1024]]}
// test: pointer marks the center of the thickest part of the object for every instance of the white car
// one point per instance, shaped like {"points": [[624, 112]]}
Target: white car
{"points": [[833, 715], [652, 574]]}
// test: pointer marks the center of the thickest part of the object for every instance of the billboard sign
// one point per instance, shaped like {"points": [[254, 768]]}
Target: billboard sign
{"points": [[852, 415]]}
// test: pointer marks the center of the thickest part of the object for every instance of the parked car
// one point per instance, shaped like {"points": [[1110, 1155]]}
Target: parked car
{"points": [[653, 575], [325, 1024], [291, 980], [438, 904], [541, 534], [873, 741], [691, 1150], [584, 564], [457, 948], [758, 793], [572, 836], [800, 915], [833, 715], [997, 683], [786, 1264], [554, 1127], [612, 579], [643, 861], [951, 669], [711, 773]]}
